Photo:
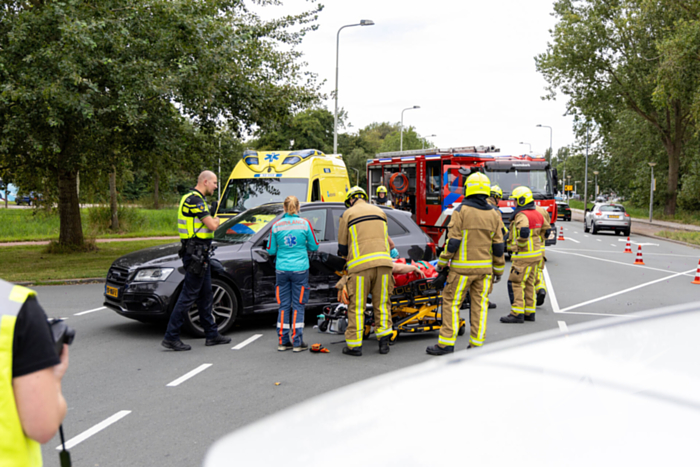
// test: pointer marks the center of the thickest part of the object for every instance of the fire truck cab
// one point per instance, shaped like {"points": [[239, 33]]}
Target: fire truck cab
{"points": [[430, 182]]}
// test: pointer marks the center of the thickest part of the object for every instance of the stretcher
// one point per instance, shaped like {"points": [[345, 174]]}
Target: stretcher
{"points": [[415, 308]]}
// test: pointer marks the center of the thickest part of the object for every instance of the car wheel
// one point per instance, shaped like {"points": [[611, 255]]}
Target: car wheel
{"points": [[585, 227], [224, 309], [627, 232], [594, 231]]}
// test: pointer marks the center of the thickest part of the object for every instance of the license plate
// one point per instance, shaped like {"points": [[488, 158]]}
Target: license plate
{"points": [[613, 217], [112, 291]]}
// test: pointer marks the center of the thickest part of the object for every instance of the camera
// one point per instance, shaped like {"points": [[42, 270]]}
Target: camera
{"points": [[62, 333]]}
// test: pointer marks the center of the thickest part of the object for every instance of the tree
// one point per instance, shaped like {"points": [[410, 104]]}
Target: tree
{"points": [[77, 78], [609, 56]]}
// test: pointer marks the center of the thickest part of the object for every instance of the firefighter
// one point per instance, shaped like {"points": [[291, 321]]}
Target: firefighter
{"points": [[524, 240], [474, 253], [494, 198], [364, 241], [383, 196], [540, 286]]}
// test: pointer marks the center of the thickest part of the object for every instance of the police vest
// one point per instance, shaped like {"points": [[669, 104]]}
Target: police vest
{"points": [[16, 449], [192, 226]]}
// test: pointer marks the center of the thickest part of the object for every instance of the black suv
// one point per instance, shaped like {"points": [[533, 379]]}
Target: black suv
{"points": [[144, 285]]}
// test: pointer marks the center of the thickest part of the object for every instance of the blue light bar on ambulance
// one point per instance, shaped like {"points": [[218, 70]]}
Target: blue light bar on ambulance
{"points": [[291, 160], [250, 152], [304, 153], [251, 160]]}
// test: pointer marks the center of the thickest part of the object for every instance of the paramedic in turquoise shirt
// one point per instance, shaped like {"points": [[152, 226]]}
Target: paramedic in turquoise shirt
{"points": [[290, 239]]}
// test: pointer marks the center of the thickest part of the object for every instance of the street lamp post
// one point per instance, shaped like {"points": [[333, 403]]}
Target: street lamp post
{"points": [[423, 139], [364, 22], [550, 139], [569, 178], [585, 176], [576, 182], [595, 172], [651, 191], [401, 137], [528, 145]]}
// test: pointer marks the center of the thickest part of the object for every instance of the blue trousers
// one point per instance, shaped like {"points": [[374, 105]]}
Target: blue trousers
{"points": [[292, 293], [194, 289]]}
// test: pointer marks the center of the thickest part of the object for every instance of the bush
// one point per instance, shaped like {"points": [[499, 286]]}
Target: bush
{"points": [[100, 219]]}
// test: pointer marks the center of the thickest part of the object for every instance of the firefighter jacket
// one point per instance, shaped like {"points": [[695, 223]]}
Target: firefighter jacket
{"points": [[524, 239], [546, 226], [363, 237], [475, 242]]}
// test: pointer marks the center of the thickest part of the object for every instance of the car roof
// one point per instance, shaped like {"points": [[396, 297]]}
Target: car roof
{"points": [[602, 384]]}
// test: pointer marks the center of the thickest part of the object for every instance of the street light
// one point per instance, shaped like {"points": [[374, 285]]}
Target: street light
{"points": [[550, 139], [651, 195], [364, 22], [595, 172], [401, 137], [569, 177], [423, 139], [528, 145]]}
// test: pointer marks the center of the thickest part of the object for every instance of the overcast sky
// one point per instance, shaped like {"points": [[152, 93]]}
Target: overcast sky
{"points": [[469, 65]]}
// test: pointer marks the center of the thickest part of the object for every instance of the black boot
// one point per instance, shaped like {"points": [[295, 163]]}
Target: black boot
{"points": [[176, 345], [218, 340], [437, 350], [512, 319], [384, 345], [353, 351], [492, 305], [530, 317], [541, 294]]}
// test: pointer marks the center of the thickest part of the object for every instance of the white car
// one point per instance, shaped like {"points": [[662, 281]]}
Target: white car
{"points": [[614, 392], [607, 216]]}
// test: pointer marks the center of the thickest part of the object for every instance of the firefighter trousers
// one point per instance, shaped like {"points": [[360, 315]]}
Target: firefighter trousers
{"points": [[452, 297], [539, 277], [380, 283], [521, 287]]}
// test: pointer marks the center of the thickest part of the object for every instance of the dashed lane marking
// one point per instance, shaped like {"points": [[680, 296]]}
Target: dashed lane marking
{"points": [[573, 240], [94, 430], [585, 236], [613, 252], [562, 326], [189, 375], [617, 262], [598, 240], [246, 342], [612, 244], [90, 311]]}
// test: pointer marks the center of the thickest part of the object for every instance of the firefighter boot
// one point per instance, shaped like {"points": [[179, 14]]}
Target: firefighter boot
{"points": [[353, 351], [384, 345], [530, 317], [541, 294], [492, 305], [437, 350], [511, 318]]}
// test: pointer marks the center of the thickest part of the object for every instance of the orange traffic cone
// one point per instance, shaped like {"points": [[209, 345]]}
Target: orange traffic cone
{"points": [[628, 248], [697, 275], [639, 259], [561, 234]]}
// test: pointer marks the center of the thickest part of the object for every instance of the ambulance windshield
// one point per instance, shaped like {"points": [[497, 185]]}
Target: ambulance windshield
{"points": [[246, 193]]}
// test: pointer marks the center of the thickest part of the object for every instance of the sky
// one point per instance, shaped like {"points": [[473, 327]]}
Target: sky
{"points": [[469, 66]]}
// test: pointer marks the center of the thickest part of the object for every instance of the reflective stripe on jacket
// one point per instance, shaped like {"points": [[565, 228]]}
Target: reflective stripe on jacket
{"points": [[472, 233], [16, 448], [189, 225], [527, 249], [545, 225], [290, 238], [363, 235]]}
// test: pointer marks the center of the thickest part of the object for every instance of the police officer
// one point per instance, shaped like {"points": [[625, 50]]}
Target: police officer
{"points": [[524, 239], [383, 196], [364, 241], [32, 405], [540, 286], [474, 253], [196, 227]]}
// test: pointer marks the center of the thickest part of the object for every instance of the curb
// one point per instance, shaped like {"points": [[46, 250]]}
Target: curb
{"points": [[62, 281], [676, 225]]}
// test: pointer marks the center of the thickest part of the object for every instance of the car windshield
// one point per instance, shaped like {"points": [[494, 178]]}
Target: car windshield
{"points": [[246, 193], [242, 227], [611, 208], [509, 180]]}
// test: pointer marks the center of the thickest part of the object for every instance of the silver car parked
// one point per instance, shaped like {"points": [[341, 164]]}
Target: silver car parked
{"points": [[607, 216]]}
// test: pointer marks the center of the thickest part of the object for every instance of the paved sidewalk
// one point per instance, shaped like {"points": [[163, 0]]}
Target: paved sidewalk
{"points": [[99, 240], [662, 225]]}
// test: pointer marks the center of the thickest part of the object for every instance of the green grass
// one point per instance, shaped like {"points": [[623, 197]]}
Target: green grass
{"points": [[32, 263], [18, 225], [682, 217], [688, 237]]}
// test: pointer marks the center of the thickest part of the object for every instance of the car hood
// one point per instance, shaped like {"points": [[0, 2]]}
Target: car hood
{"points": [[161, 255], [614, 392]]}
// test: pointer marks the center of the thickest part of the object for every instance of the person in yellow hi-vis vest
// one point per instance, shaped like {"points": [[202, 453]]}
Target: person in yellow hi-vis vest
{"points": [[474, 253], [32, 406], [363, 240], [540, 286]]}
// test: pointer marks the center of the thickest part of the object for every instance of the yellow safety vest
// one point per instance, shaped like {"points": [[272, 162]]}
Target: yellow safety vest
{"points": [[192, 226], [16, 449]]}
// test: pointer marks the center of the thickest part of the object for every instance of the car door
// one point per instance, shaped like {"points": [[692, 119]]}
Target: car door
{"points": [[318, 217]]}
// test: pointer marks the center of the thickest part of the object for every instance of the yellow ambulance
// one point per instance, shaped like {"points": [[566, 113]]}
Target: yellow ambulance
{"points": [[262, 177]]}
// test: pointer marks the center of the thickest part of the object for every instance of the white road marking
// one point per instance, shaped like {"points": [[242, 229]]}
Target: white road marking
{"points": [[647, 244], [192, 373], [571, 239], [94, 430], [616, 262], [562, 326], [586, 236], [605, 297], [612, 244], [246, 342], [599, 240], [613, 252], [89, 311]]}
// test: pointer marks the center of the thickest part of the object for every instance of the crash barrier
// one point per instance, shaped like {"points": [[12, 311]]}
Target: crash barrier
{"points": [[639, 259]]}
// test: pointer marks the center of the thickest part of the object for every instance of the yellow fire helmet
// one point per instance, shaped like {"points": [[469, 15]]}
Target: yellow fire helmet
{"points": [[477, 184], [355, 192], [381, 189], [496, 192], [522, 195]]}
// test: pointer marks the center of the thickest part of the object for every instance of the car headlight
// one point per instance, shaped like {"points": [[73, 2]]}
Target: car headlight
{"points": [[153, 274]]}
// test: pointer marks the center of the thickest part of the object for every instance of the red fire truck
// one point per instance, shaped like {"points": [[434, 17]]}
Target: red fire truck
{"points": [[430, 182]]}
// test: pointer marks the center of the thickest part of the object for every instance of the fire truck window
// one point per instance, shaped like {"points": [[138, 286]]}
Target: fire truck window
{"points": [[432, 182], [375, 175]]}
